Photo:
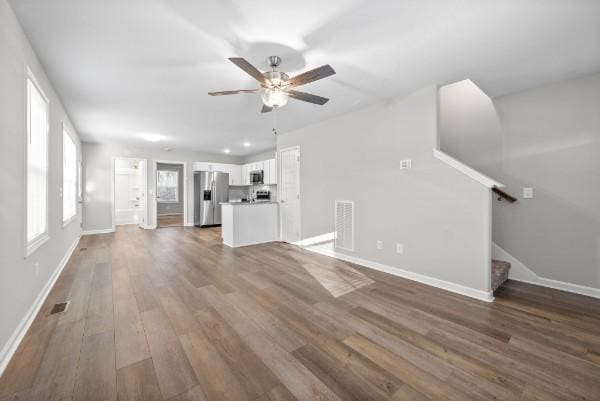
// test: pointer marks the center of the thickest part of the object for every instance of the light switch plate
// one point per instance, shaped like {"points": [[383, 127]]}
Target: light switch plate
{"points": [[527, 193], [379, 244], [400, 248], [405, 164]]}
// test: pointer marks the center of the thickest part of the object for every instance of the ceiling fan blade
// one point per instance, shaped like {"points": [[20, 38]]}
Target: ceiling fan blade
{"points": [[221, 93], [248, 69], [310, 76], [266, 109], [308, 97]]}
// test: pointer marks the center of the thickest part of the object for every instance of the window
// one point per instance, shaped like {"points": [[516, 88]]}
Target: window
{"points": [[167, 186], [79, 182], [69, 188], [37, 167]]}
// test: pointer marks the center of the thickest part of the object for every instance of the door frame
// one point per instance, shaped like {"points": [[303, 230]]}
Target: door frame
{"points": [[279, 187], [185, 200], [113, 192]]}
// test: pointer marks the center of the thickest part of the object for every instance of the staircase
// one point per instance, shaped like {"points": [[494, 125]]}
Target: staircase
{"points": [[500, 271]]}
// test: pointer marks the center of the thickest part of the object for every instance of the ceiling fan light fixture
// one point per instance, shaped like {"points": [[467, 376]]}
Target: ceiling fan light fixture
{"points": [[274, 97]]}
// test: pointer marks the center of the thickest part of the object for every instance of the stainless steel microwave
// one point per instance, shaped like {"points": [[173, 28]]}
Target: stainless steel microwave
{"points": [[257, 177]]}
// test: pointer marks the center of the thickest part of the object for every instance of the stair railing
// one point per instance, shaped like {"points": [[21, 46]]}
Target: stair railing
{"points": [[504, 195]]}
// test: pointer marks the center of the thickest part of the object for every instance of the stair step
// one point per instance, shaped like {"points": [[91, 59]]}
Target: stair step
{"points": [[500, 271]]}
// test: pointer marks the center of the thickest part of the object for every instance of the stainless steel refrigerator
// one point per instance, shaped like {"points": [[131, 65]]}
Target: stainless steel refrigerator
{"points": [[210, 189]]}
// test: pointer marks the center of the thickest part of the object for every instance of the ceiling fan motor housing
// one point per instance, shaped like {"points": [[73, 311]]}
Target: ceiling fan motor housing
{"points": [[274, 61], [275, 79]]}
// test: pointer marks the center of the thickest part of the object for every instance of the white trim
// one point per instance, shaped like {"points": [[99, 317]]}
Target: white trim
{"points": [[316, 240], [70, 219], [520, 272], [488, 242], [486, 296], [188, 224], [15, 339], [67, 130], [33, 244], [102, 231], [468, 171]]}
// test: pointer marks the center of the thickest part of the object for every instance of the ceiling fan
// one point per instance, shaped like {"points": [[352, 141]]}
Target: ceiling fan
{"points": [[276, 87]]}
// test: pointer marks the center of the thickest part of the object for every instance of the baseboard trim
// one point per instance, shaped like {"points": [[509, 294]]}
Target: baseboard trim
{"points": [[15, 339], [395, 271], [520, 272], [316, 240], [93, 232]]}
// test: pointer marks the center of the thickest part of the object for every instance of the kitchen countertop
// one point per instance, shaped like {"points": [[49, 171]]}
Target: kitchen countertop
{"points": [[249, 203]]}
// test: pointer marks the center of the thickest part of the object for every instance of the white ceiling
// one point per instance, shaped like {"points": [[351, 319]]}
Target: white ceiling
{"points": [[124, 67]]}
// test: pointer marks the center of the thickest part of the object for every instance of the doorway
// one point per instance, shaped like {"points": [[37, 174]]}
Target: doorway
{"points": [[289, 162], [170, 194], [129, 192]]}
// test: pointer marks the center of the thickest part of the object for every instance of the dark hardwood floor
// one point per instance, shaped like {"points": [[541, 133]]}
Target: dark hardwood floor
{"points": [[173, 314]]}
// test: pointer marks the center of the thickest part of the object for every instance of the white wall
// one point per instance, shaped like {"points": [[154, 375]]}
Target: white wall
{"points": [[257, 157], [547, 138], [20, 282], [97, 159], [440, 215]]}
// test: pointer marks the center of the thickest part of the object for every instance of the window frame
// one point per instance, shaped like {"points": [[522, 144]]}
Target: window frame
{"points": [[66, 131], [159, 200], [35, 243]]}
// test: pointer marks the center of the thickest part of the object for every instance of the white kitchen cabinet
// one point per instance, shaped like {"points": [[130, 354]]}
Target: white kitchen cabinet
{"points": [[234, 170], [240, 174], [235, 174], [245, 175], [272, 171], [257, 166], [266, 174], [202, 166]]}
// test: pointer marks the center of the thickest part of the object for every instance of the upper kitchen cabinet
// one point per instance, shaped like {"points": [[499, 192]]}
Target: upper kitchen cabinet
{"points": [[240, 175], [245, 174], [272, 171], [257, 166], [234, 171]]}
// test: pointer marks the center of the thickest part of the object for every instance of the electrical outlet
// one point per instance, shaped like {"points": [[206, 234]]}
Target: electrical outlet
{"points": [[37, 268], [527, 193], [379, 244], [399, 248], [405, 164]]}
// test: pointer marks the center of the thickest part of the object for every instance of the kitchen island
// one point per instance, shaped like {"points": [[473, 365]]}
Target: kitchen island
{"points": [[249, 223]]}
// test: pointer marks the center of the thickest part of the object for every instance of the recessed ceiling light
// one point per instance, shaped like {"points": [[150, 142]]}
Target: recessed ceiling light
{"points": [[227, 151], [246, 144], [151, 136]]}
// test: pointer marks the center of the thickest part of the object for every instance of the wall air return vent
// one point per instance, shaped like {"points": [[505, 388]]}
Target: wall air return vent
{"points": [[344, 225]]}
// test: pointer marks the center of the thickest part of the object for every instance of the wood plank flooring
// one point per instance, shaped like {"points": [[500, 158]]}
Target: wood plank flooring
{"points": [[170, 220], [172, 314]]}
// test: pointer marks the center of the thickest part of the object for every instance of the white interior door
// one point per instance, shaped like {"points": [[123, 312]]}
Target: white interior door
{"points": [[142, 204], [290, 195]]}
